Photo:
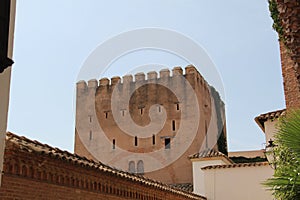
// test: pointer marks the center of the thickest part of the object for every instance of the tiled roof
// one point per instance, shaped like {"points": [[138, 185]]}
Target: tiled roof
{"points": [[236, 165], [209, 153], [34, 146], [183, 186], [268, 116]]}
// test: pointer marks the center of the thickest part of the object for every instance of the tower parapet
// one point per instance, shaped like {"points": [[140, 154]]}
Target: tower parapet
{"points": [[104, 81], [164, 73], [115, 80], [139, 77], [190, 74], [93, 83], [177, 71], [151, 75]]}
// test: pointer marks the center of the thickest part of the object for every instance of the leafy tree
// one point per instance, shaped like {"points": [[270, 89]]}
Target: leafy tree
{"points": [[285, 183]]}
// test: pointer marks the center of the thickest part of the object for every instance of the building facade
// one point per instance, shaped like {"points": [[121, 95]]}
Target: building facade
{"points": [[33, 170], [150, 125]]}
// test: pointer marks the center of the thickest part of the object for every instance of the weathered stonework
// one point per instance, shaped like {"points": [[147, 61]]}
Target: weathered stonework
{"points": [[146, 94], [289, 15]]}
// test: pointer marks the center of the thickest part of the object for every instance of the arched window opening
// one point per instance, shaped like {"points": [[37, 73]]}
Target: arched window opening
{"points": [[140, 167], [131, 167]]}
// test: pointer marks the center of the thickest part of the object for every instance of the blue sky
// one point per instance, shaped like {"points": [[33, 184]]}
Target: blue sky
{"points": [[53, 39]]}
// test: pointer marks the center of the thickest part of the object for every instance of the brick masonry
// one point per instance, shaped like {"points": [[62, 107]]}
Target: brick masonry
{"points": [[93, 108], [289, 14], [37, 171]]}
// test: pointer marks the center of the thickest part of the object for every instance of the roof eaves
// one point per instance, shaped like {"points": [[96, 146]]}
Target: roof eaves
{"points": [[40, 148], [236, 165], [262, 118]]}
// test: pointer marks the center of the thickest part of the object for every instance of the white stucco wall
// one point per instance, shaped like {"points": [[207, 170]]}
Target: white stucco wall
{"points": [[239, 183], [270, 129], [5, 87], [198, 173]]}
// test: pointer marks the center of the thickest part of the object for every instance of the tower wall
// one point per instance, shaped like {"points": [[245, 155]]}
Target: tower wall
{"points": [[137, 96]]}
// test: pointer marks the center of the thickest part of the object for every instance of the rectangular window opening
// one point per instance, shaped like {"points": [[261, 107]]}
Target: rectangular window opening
{"points": [[123, 112], [135, 141], [90, 118], [141, 111], [114, 144], [153, 139], [167, 143], [159, 109], [106, 115], [177, 106], [173, 125]]}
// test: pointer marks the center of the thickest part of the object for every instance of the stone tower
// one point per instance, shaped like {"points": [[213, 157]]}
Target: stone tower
{"points": [[150, 125]]}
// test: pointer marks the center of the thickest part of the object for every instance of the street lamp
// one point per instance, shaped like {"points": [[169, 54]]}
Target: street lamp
{"points": [[270, 154]]}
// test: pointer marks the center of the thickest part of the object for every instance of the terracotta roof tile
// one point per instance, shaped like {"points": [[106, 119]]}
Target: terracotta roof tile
{"points": [[236, 165], [209, 153], [183, 186], [268, 116], [37, 147]]}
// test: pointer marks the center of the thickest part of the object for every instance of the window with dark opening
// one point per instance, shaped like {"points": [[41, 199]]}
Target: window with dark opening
{"points": [[177, 106], [114, 144], [91, 135], [153, 139], [167, 143], [90, 117], [159, 109], [141, 110], [135, 141], [173, 125], [106, 115], [123, 112]]}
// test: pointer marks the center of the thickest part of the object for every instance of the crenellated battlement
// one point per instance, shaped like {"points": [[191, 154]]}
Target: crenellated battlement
{"points": [[190, 72]]}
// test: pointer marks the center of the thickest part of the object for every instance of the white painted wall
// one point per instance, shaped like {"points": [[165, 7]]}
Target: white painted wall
{"points": [[5, 87], [239, 183], [270, 129], [198, 173]]}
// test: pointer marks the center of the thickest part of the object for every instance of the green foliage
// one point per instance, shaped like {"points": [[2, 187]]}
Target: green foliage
{"points": [[285, 183], [276, 19]]}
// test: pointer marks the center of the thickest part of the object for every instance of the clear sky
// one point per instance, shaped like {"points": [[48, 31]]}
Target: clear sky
{"points": [[53, 39]]}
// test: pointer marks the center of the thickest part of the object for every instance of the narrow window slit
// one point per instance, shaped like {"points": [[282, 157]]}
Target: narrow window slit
{"points": [[135, 141], [91, 135], [153, 139], [114, 144], [177, 106], [173, 125]]}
